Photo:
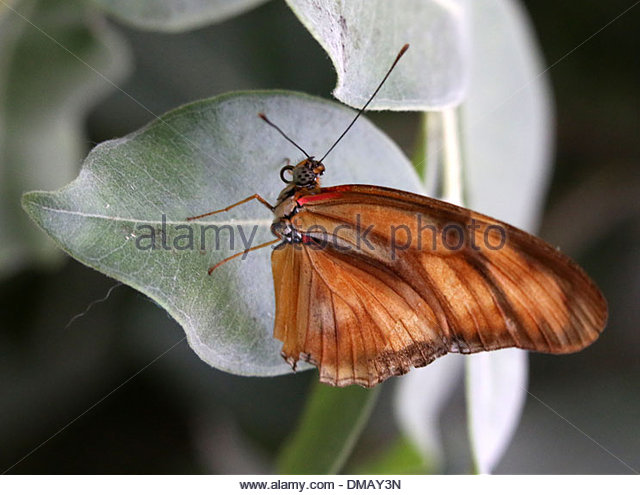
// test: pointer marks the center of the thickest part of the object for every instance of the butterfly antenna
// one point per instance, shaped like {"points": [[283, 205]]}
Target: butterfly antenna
{"points": [[264, 117], [361, 111]]}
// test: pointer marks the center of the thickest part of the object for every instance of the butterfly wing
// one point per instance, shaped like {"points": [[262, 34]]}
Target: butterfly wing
{"points": [[348, 318], [385, 280]]}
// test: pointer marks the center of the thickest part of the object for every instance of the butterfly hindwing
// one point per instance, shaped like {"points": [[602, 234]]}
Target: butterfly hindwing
{"points": [[359, 329]]}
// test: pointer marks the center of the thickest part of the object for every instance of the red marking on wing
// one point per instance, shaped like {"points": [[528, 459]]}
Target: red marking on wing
{"points": [[307, 239], [318, 197]]}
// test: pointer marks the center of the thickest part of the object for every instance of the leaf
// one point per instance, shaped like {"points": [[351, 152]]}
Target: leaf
{"points": [[201, 157], [508, 147], [330, 425], [508, 120], [363, 38], [175, 15], [496, 392], [420, 397], [45, 92]]}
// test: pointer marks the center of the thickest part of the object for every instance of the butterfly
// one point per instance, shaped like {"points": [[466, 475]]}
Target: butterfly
{"points": [[371, 281]]}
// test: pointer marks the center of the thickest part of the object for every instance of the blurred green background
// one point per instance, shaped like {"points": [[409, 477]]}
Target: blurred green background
{"points": [[179, 415]]}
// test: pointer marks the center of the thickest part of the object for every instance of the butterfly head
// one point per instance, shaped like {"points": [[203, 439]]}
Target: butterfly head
{"points": [[304, 174]]}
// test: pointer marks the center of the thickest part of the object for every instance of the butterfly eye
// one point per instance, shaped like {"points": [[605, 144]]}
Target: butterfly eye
{"points": [[288, 168]]}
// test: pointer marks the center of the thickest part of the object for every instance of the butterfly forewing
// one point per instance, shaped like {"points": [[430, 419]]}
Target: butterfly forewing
{"points": [[385, 280]]}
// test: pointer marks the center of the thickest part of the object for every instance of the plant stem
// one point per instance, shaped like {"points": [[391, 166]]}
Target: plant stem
{"points": [[452, 182], [330, 426], [439, 159]]}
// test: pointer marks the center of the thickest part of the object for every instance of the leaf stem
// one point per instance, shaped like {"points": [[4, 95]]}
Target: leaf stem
{"points": [[331, 423], [452, 183], [439, 157]]}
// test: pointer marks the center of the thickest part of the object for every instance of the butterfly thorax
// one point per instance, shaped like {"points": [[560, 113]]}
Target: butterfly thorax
{"points": [[304, 179]]}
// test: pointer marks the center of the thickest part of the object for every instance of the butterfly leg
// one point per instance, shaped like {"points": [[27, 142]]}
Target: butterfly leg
{"points": [[245, 200], [241, 253]]}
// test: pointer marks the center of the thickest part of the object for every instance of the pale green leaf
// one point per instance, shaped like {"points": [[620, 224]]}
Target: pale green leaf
{"points": [[175, 15], [363, 37], [507, 117], [495, 397], [45, 92], [420, 397], [198, 158]]}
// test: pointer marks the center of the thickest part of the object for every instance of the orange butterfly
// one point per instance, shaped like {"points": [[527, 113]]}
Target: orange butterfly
{"points": [[370, 281]]}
